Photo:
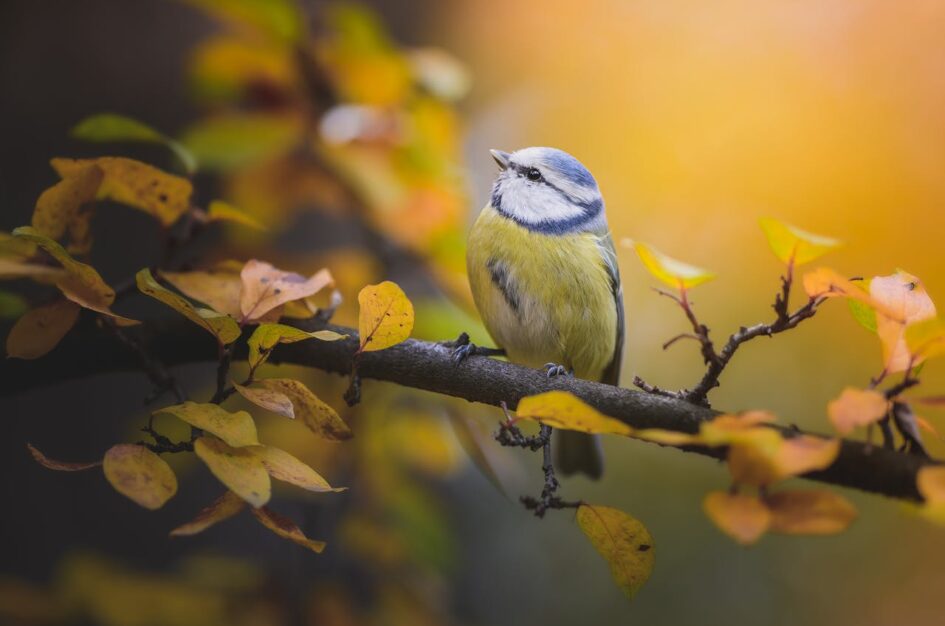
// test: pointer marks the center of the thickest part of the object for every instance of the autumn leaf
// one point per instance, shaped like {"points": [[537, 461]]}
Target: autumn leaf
{"points": [[223, 508], [138, 185], [756, 462], [265, 288], [220, 211], [236, 429], [824, 282], [140, 475], [930, 481], [60, 466], [283, 466], [39, 330], [320, 418], [268, 399], [105, 127], [219, 288], [279, 20], [59, 205], [623, 541], [82, 283], [561, 409], [739, 427], [287, 529], [223, 327], [10, 268], [809, 512], [386, 316], [667, 437], [266, 336], [670, 271], [908, 302], [238, 468], [795, 246], [856, 407], [742, 517]]}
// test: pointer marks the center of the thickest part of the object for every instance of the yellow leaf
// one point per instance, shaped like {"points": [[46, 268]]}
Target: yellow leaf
{"points": [[908, 302], [287, 529], [738, 427], [856, 407], [318, 416], [220, 211], [283, 466], [670, 271], [218, 288], [561, 409], [667, 437], [926, 339], [60, 466], [238, 468], [222, 66], [38, 331], [795, 246], [82, 283], [266, 336], [743, 518], [224, 507], [236, 429], [59, 205], [760, 461], [223, 327], [385, 318], [268, 399], [809, 512], [137, 185], [14, 268], [623, 541], [265, 288], [139, 474], [805, 453]]}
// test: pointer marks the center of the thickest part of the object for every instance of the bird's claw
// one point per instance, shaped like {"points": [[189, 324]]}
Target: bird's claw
{"points": [[554, 370]]}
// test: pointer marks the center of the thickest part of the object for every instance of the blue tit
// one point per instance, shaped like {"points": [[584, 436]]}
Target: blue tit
{"points": [[544, 277]]}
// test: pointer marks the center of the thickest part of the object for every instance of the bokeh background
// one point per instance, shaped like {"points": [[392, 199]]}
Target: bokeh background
{"points": [[697, 119]]}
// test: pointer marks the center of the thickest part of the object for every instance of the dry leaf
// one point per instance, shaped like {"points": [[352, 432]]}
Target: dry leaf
{"points": [[623, 541], [386, 316], [59, 205], [809, 512], [267, 336], [223, 508], [40, 330], [268, 399], [287, 529], [908, 302], [283, 466], [238, 468], [318, 416], [265, 288], [60, 466], [139, 474], [223, 327]]}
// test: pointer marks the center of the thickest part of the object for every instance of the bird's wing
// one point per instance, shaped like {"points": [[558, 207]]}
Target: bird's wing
{"points": [[611, 374]]}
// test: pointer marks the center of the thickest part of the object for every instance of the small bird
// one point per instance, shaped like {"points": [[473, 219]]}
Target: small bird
{"points": [[544, 277]]}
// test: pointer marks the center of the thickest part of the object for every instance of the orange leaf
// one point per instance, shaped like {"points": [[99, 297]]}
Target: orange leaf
{"points": [[265, 288], [744, 518], [931, 483], [908, 302], [224, 507], [856, 407], [61, 466], [810, 512], [287, 529]]}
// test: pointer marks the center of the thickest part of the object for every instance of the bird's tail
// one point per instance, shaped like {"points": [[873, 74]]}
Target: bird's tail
{"points": [[578, 452]]}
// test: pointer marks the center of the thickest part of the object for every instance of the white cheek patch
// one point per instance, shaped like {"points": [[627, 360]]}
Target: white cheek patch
{"points": [[535, 203]]}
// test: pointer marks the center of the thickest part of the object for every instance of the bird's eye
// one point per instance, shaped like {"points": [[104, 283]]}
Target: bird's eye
{"points": [[533, 174]]}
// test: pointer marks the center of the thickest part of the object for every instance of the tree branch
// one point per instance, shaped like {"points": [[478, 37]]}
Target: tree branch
{"points": [[428, 366]]}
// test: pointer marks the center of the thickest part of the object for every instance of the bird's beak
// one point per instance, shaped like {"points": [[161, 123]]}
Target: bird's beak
{"points": [[502, 158]]}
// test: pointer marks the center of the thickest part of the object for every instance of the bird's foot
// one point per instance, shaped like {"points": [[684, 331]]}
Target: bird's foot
{"points": [[463, 348], [553, 370]]}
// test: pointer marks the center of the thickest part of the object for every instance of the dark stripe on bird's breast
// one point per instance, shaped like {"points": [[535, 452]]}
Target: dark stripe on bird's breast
{"points": [[503, 282]]}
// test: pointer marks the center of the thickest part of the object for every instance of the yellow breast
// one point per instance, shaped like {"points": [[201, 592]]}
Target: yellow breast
{"points": [[544, 298]]}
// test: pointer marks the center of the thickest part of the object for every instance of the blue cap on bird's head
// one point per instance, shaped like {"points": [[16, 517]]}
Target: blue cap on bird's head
{"points": [[547, 190]]}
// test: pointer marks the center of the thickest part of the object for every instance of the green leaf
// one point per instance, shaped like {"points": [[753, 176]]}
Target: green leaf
{"points": [[231, 141], [266, 336], [623, 541], [223, 327], [863, 313], [105, 127]]}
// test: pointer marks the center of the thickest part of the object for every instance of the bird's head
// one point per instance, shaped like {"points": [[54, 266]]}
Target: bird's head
{"points": [[547, 190]]}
